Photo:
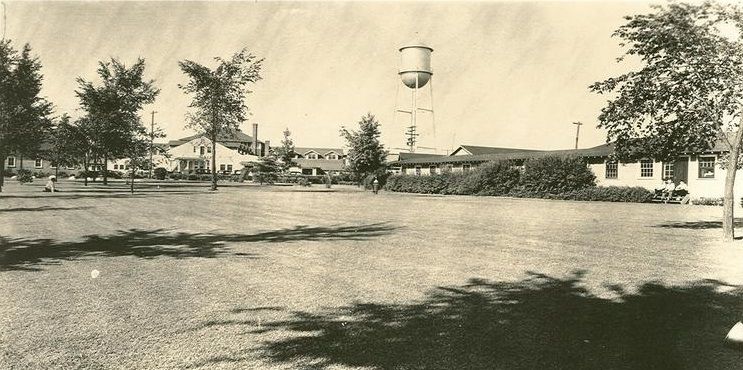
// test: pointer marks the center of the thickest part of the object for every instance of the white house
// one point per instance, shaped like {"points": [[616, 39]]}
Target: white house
{"points": [[195, 156]]}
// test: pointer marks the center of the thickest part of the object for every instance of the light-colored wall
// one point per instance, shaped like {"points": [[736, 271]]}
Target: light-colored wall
{"points": [[225, 155]]}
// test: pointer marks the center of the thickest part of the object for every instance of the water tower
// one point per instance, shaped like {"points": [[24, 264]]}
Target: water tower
{"points": [[415, 73]]}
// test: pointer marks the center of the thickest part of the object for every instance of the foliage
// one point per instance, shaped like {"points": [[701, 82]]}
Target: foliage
{"points": [[192, 177], [556, 174], [24, 176], [366, 155], [24, 114], [68, 144], [687, 92], [703, 201], [635, 194], [114, 127], [285, 153], [267, 170], [493, 178], [176, 176], [218, 104], [160, 173], [305, 182]]}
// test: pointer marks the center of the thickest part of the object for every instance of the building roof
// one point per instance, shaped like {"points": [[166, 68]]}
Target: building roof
{"points": [[406, 155], [478, 150], [321, 151], [229, 140], [515, 154], [323, 164]]}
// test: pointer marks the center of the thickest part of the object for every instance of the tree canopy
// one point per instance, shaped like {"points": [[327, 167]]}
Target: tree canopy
{"points": [[218, 105], [366, 154], [24, 114], [112, 107], [688, 90]]}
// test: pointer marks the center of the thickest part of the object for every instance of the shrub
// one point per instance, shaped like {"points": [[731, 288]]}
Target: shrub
{"points": [[176, 176], [204, 177], [634, 194], [493, 178], [40, 174], [8, 173], [192, 176], [303, 181], [708, 201], [556, 175], [90, 174], [24, 176], [160, 173]]}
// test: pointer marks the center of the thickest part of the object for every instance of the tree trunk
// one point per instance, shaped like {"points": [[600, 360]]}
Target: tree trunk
{"points": [[85, 171], [3, 158], [132, 179], [104, 168], [728, 205], [20, 162], [214, 163], [56, 172]]}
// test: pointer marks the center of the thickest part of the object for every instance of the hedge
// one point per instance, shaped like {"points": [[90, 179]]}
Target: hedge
{"points": [[549, 177]]}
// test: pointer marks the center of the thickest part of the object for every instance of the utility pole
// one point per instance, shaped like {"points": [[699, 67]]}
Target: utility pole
{"points": [[152, 141], [577, 132]]}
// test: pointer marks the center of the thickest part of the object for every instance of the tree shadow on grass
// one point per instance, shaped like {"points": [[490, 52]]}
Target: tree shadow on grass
{"points": [[698, 225], [29, 254], [41, 209], [538, 323]]}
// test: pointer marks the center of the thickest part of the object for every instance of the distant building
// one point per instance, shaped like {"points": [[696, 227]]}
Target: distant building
{"points": [[318, 161], [193, 154], [699, 170]]}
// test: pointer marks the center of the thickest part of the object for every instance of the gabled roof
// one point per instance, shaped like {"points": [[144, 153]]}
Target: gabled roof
{"points": [[406, 155], [514, 154], [323, 164], [320, 151], [479, 150], [227, 139]]}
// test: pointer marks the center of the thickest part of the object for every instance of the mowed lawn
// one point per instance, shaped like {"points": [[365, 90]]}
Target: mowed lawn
{"points": [[287, 277]]}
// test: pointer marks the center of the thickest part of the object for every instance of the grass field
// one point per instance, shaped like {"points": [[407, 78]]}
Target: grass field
{"points": [[284, 277]]}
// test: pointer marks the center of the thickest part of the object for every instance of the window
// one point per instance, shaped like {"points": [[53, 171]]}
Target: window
{"points": [[306, 171], [201, 150], [465, 168], [116, 166], [417, 170], [229, 168], [706, 167], [432, 170], [404, 171], [447, 168], [667, 170], [194, 149], [209, 149], [38, 163], [222, 167], [331, 156], [612, 170], [312, 156], [11, 161], [646, 168]]}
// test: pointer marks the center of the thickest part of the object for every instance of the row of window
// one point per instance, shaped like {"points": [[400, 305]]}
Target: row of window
{"points": [[317, 156], [11, 162], [203, 149], [706, 169], [434, 169]]}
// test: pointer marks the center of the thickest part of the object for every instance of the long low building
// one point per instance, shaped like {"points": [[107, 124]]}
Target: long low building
{"points": [[700, 171]]}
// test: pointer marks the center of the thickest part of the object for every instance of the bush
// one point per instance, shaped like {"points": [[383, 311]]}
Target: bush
{"points": [[493, 178], [160, 173], [176, 176], [24, 176], [90, 174], [634, 194], [708, 201], [40, 174], [556, 175], [8, 173], [303, 181], [192, 176]]}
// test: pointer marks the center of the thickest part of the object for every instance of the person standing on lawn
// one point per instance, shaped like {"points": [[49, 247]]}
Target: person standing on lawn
{"points": [[375, 186]]}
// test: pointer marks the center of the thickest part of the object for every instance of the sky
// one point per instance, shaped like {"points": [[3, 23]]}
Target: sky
{"points": [[508, 74]]}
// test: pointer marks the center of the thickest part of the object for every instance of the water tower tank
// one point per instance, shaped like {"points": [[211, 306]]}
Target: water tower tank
{"points": [[415, 62]]}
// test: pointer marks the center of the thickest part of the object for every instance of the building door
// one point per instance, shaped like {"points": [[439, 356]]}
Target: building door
{"points": [[681, 170]]}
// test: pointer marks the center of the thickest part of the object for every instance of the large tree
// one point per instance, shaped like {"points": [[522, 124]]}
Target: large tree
{"points": [[686, 92], [366, 154], [219, 94], [24, 114], [112, 108]]}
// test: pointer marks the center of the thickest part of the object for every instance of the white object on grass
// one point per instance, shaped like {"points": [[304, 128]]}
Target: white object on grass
{"points": [[94, 274]]}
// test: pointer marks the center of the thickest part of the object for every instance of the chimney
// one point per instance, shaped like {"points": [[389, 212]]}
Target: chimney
{"points": [[267, 147], [256, 150]]}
